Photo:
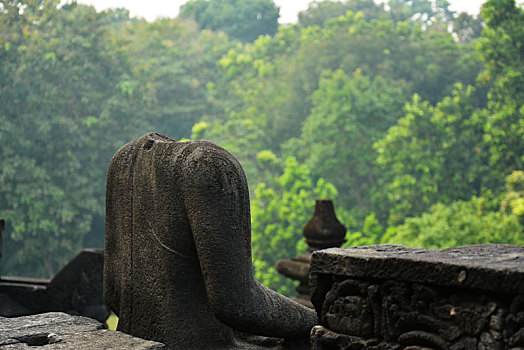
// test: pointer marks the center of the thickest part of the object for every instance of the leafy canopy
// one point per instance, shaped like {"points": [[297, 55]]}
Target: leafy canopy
{"points": [[245, 20]]}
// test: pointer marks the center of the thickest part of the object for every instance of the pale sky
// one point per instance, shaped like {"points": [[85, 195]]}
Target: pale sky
{"points": [[152, 9]]}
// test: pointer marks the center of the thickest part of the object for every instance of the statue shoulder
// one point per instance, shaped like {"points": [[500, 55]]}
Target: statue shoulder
{"points": [[209, 165], [128, 153], [198, 163], [207, 154]]}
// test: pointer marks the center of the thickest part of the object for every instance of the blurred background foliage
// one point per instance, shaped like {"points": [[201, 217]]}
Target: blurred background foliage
{"points": [[408, 115]]}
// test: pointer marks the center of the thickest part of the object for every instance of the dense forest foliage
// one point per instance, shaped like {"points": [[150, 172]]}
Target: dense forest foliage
{"points": [[409, 116]]}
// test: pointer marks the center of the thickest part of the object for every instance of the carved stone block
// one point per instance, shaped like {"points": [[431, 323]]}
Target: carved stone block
{"points": [[391, 297]]}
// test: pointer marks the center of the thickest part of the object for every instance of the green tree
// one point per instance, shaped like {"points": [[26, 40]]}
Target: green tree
{"points": [[458, 224], [76, 84], [279, 212], [251, 99], [245, 20], [513, 202], [502, 48], [433, 154], [176, 65], [66, 104], [467, 27], [318, 12], [268, 95], [349, 114], [273, 79], [430, 13], [370, 233]]}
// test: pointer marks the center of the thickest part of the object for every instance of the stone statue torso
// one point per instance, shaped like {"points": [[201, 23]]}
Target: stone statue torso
{"points": [[178, 246]]}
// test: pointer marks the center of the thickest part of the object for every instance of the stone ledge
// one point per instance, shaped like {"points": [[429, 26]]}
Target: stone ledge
{"points": [[56, 330], [489, 267]]}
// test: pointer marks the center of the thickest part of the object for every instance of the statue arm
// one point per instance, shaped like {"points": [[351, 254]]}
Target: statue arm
{"points": [[217, 203]]}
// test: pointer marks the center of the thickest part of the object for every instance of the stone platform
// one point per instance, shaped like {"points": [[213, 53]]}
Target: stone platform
{"points": [[56, 330], [391, 297]]}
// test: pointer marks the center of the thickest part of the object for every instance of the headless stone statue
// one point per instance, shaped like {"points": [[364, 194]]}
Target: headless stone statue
{"points": [[177, 263]]}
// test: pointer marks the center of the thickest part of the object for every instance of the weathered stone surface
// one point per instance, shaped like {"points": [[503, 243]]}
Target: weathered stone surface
{"points": [[61, 331], [490, 267], [417, 310], [177, 254], [52, 322], [102, 339], [34, 330]]}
